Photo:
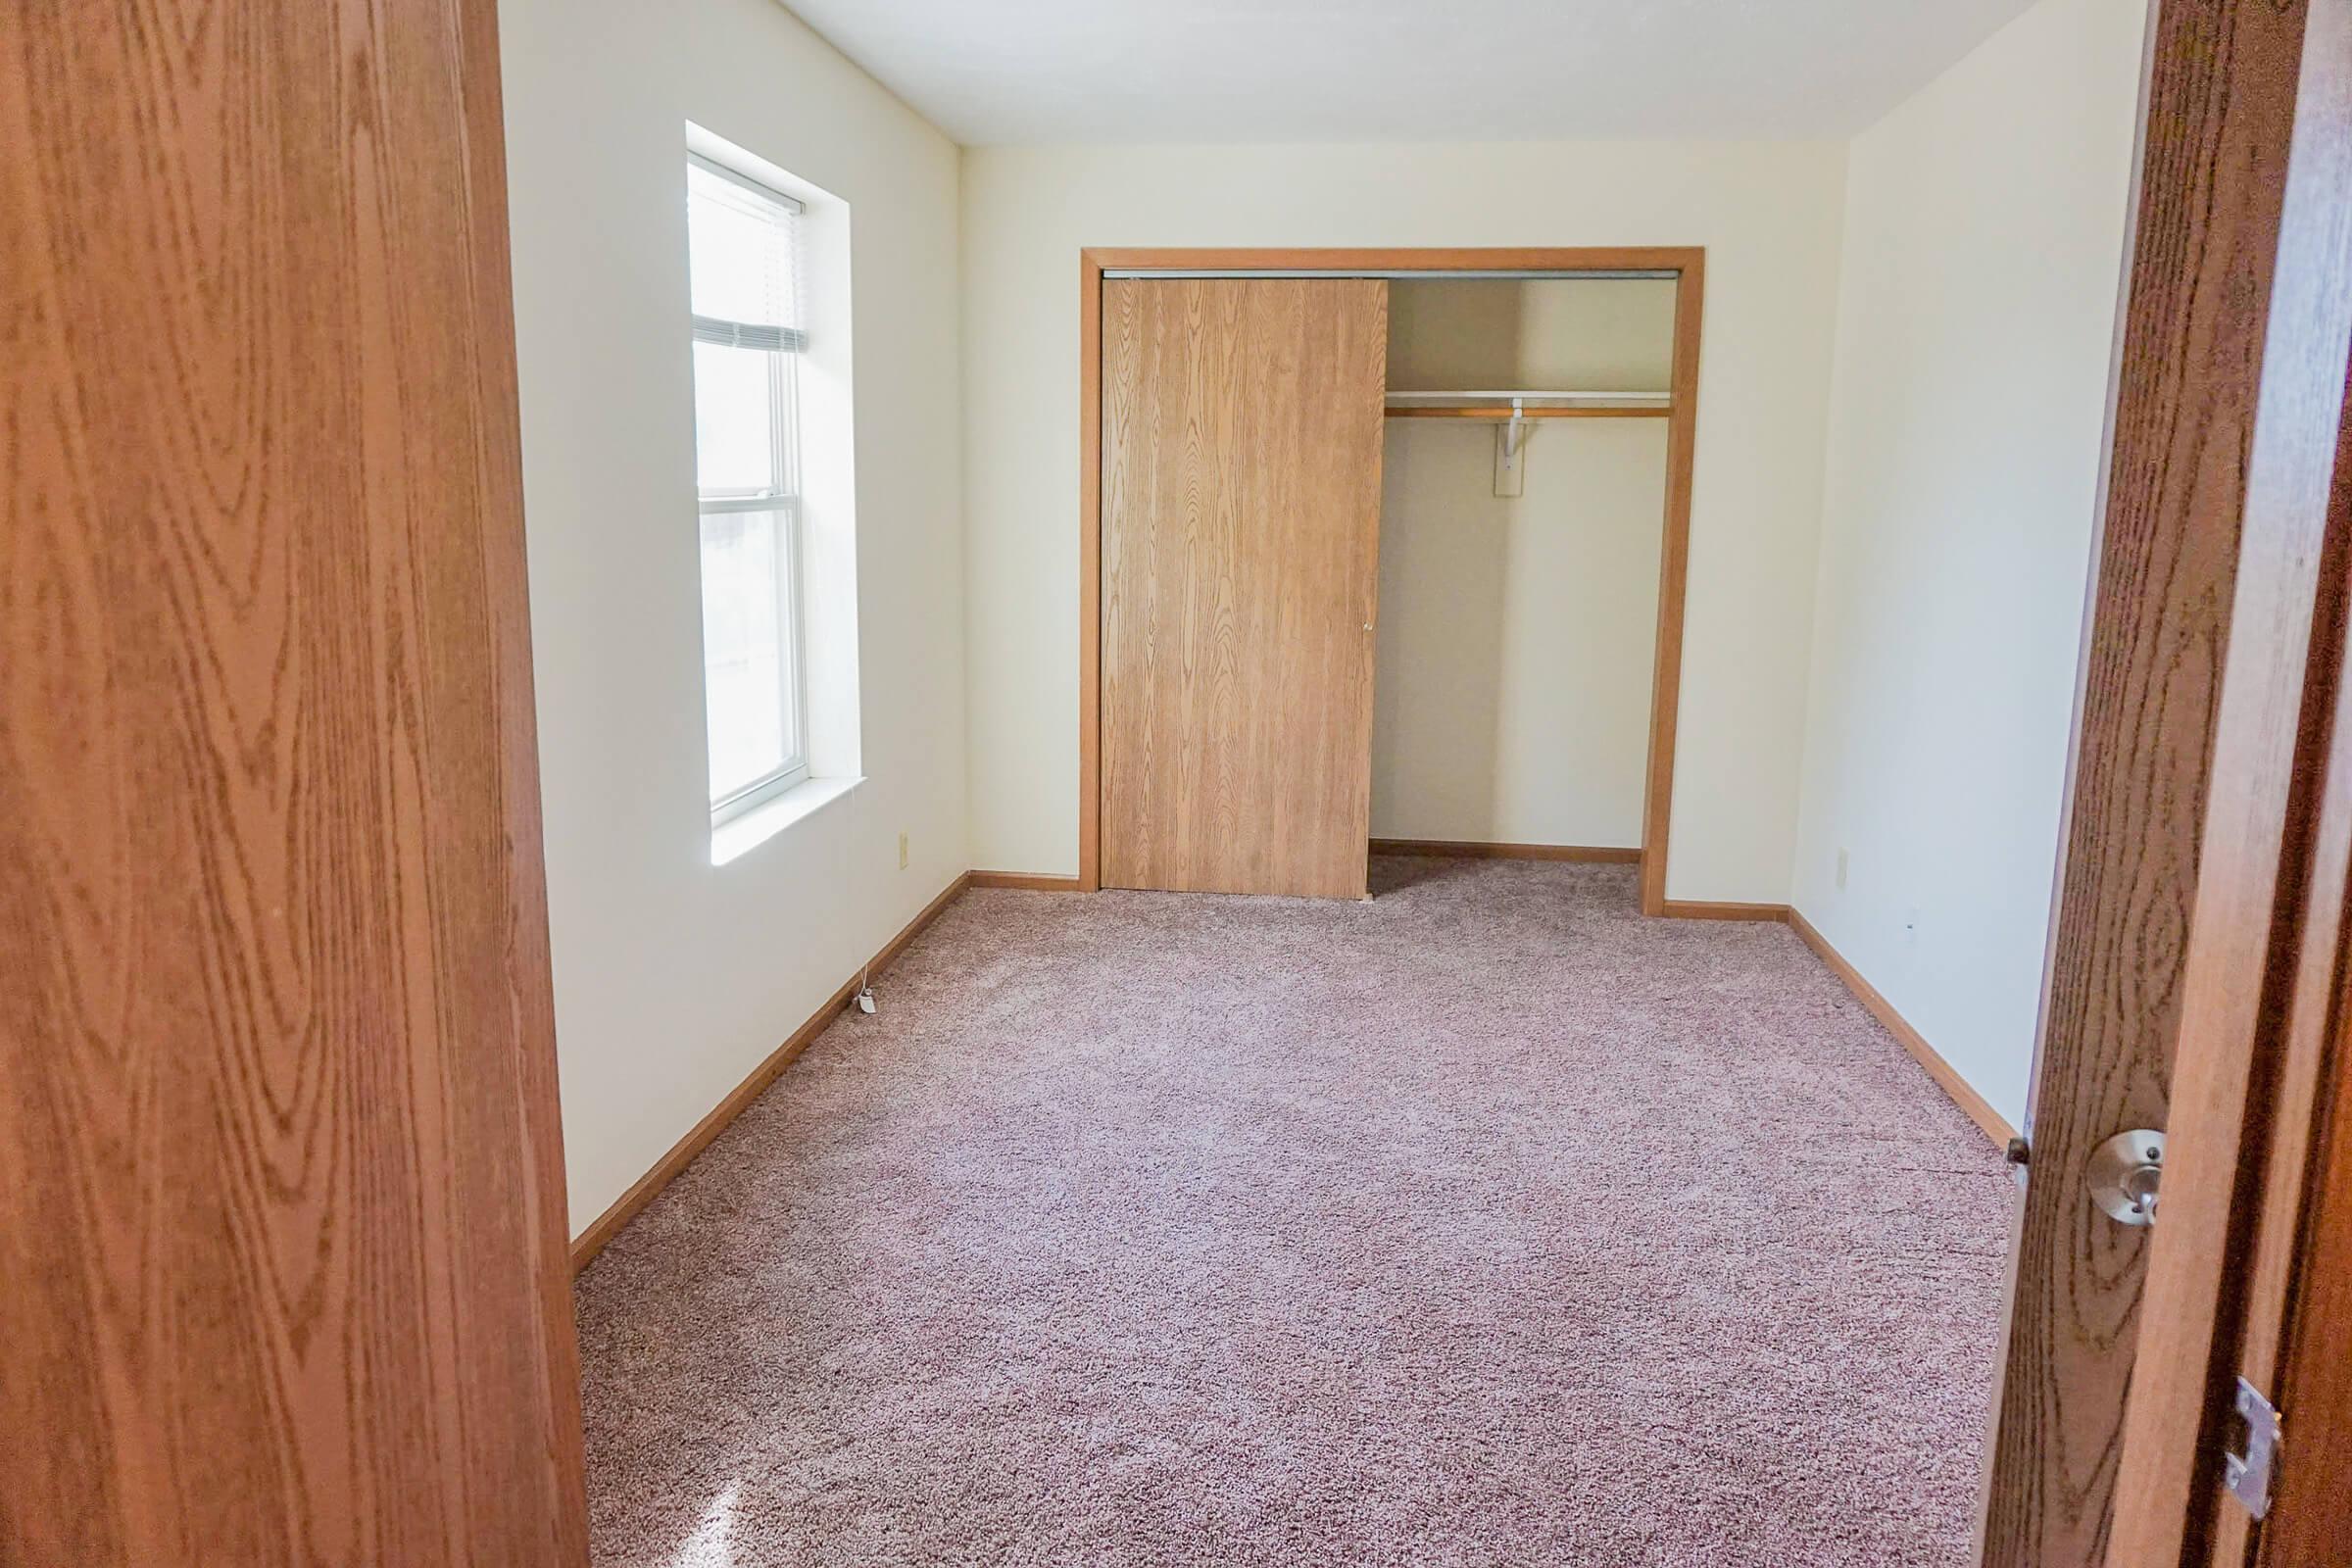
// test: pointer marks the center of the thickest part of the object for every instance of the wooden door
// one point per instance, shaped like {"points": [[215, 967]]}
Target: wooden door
{"points": [[2219, 109], [2263, 992], [282, 1271], [1241, 514]]}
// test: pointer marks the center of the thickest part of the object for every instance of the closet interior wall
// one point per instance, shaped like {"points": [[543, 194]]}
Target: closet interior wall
{"points": [[1514, 663]]}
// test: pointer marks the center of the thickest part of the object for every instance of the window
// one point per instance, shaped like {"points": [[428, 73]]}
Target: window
{"points": [[748, 336]]}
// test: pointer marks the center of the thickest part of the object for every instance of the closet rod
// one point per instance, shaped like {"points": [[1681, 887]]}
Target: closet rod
{"points": [[1576, 396], [1528, 402], [1528, 414]]}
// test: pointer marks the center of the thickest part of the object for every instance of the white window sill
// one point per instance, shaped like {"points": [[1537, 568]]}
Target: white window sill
{"points": [[738, 836]]}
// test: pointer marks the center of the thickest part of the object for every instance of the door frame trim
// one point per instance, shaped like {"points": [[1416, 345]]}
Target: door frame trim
{"points": [[1688, 266]]}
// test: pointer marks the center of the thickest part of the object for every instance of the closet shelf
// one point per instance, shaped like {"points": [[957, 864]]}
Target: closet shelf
{"points": [[1529, 405]]}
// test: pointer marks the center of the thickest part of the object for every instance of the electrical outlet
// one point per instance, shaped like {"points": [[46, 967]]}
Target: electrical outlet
{"points": [[1910, 928], [901, 851], [1841, 871]]}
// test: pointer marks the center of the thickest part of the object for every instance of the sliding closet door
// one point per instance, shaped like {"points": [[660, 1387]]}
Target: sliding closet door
{"points": [[1240, 512]]}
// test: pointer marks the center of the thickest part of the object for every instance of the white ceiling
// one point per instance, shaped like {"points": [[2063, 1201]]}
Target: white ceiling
{"points": [[994, 72]]}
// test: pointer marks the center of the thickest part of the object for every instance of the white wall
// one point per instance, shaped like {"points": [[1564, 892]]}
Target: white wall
{"points": [[675, 978], [1981, 226], [1984, 245], [1471, 334], [1512, 676], [1768, 214]]}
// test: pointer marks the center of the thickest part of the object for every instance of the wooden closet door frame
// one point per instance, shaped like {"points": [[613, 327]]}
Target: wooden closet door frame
{"points": [[1688, 264]]}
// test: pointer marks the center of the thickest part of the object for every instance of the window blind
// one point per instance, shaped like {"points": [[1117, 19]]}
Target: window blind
{"points": [[745, 244]]}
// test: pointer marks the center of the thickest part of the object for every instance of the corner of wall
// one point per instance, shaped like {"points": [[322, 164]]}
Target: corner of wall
{"points": [[1957, 470], [1832, 378]]}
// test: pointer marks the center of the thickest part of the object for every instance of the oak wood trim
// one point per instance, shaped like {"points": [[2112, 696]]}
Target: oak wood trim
{"points": [[1989, 1121], [1483, 849], [1027, 881], [1089, 572], [506, 575], [2297, 1343], [1436, 259], [648, 1187], [2309, 1524], [1674, 575], [1718, 910], [2293, 1282], [1687, 262]]}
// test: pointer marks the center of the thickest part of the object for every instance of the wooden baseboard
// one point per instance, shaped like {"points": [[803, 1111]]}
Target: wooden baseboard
{"points": [[1720, 910], [1995, 1125], [1026, 881], [1473, 850], [681, 1154]]}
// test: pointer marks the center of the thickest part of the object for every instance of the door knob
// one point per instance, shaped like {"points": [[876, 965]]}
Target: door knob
{"points": [[2124, 1173]]}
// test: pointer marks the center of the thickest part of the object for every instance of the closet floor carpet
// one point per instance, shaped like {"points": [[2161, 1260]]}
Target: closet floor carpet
{"points": [[1485, 1223]]}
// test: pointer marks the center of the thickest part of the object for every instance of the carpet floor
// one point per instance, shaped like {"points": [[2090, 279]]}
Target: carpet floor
{"points": [[1485, 1223]]}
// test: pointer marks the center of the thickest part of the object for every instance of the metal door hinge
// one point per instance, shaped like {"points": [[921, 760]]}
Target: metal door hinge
{"points": [[2247, 1475]]}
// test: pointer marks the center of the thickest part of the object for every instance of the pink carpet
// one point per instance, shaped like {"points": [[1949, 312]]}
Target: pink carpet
{"points": [[1483, 1223]]}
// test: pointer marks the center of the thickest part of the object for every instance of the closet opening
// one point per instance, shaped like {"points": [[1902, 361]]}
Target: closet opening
{"points": [[1475, 467]]}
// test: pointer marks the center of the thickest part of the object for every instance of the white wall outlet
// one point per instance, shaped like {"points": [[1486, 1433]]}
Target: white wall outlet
{"points": [[1910, 928], [1841, 871], [901, 851]]}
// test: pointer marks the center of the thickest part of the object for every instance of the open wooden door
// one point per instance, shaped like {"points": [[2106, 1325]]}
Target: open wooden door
{"points": [[282, 1249], [1241, 514], [2255, 1171], [2197, 333]]}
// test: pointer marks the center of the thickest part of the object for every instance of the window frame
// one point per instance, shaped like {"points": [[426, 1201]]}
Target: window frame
{"points": [[783, 346]]}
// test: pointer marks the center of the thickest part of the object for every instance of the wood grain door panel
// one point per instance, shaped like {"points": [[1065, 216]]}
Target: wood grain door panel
{"points": [[2310, 1525], [1241, 513], [281, 1204], [2219, 108], [2262, 989]]}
